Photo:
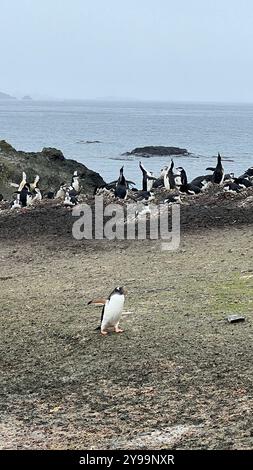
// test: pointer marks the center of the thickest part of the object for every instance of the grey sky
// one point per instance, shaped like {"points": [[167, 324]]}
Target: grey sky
{"points": [[146, 49]]}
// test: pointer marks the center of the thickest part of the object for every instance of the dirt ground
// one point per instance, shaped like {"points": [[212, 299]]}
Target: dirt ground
{"points": [[180, 376]]}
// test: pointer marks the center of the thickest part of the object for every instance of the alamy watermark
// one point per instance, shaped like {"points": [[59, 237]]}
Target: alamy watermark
{"points": [[128, 222]]}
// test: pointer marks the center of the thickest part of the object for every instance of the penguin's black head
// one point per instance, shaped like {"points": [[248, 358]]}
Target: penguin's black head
{"points": [[119, 290]]}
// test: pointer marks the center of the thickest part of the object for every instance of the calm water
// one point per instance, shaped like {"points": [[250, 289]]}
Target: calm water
{"points": [[204, 129]]}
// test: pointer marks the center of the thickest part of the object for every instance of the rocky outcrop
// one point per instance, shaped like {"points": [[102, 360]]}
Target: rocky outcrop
{"points": [[50, 164], [153, 151]]}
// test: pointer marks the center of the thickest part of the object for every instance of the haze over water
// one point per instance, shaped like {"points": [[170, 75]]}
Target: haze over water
{"points": [[203, 129]]}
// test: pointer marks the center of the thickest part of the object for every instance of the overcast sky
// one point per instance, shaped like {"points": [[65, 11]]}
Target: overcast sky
{"points": [[196, 50]]}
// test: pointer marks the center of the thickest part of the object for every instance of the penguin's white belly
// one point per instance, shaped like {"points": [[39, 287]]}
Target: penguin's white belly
{"points": [[150, 185], [75, 185], [166, 183], [113, 311]]}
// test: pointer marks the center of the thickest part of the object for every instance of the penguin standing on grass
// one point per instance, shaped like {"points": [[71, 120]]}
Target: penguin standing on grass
{"points": [[112, 310]]}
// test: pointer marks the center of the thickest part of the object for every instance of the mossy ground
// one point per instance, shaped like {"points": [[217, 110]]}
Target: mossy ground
{"points": [[179, 376]]}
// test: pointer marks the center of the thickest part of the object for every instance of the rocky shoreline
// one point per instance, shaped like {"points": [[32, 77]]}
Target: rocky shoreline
{"points": [[50, 164]]}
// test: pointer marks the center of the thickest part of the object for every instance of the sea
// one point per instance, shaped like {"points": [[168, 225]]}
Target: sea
{"points": [[97, 133]]}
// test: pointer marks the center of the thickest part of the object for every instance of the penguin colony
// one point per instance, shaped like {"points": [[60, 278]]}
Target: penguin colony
{"points": [[173, 181], [28, 193]]}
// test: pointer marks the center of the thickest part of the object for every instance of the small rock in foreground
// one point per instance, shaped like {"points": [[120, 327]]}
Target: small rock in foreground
{"points": [[235, 318]]}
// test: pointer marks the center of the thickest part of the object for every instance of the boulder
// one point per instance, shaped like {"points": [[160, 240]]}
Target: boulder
{"points": [[50, 164], [151, 151], [53, 153]]}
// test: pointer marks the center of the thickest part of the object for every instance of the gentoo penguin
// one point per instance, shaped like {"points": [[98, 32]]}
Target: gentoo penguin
{"points": [[186, 187], [112, 310], [61, 192], [75, 182], [218, 171], [16, 204], [121, 186], [147, 178]]}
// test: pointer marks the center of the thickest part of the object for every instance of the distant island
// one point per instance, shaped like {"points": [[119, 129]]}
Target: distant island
{"points": [[4, 96]]}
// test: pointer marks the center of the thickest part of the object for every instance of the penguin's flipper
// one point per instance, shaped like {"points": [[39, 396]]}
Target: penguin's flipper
{"points": [[97, 302], [144, 171], [210, 168]]}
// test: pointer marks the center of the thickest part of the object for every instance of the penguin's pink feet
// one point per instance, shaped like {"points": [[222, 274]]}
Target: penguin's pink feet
{"points": [[104, 333], [118, 330]]}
